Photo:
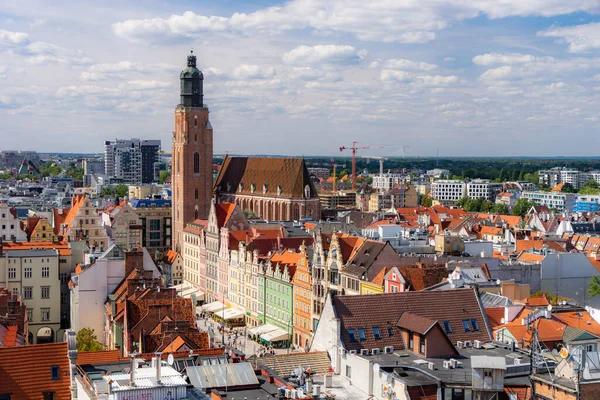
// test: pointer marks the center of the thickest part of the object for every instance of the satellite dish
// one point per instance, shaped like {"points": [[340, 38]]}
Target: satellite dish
{"points": [[170, 359], [564, 353], [375, 367], [549, 307]]}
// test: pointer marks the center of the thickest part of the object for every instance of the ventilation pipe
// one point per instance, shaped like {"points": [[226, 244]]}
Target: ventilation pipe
{"points": [[132, 368], [158, 366]]}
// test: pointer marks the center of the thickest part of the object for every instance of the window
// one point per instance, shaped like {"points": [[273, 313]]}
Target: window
{"points": [[64, 298], [465, 323], [27, 272], [45, 292], [390, 331], [45, 314], [27, 291], [12, 273], [361, 334], [447, 328], [15, 291], [30, 314], [154, 224], [352, 335], [376, 332], [348, 371], [411, 343], [422, 345], [48, 395], [196, 194], [54, 373], [45, 272], [196, 162], [474, 324]]}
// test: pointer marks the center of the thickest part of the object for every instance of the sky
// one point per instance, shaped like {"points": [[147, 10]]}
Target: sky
{"points": [[304, 77]]}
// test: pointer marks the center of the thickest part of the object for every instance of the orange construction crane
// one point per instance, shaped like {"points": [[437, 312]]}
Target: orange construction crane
{"points": [[354, 149], [334, 165]]}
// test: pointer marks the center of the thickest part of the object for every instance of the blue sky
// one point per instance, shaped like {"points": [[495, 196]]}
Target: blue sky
{"points": [[484, 78]]}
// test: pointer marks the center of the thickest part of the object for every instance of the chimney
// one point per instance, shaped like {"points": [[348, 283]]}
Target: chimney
{"points": [[278, 242], [133, 259], [132, 367], [158, 366], [247, 238]]}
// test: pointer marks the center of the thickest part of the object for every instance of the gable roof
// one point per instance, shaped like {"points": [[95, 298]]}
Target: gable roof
{"points": [[420, 278], [250, 175], [25, 370], [451, 305], [223, 211]]}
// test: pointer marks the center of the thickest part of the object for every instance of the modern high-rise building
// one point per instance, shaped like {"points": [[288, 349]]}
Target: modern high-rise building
{"points": [[131, 161], [192, 154]]}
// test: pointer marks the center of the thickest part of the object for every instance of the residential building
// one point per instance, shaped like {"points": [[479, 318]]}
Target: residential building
{"points": [[123, 225], [275, 189], [13, 320], [92, 284], [33, 274], [479, 188], [10, 225], [387, 181], [320, 173], [448, 191], [156, 220], [586, 203], [192, 154], [302, 286], [40, 371], [194, 254], [172, 268], [437, 173], [337, 200], [40, 230], [131, 161], [553, 200], [81, 222], [550, 177]]}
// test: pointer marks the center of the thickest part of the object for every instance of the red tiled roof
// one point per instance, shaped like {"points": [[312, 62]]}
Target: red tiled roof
{"points": [[536, 301], [495, 316], [415, 323], [524, 245], [223, 211], [62, 247], [451, 305], [530, 257], [420, 278], [170, 256], [98, 357], [249, 176], [25, 371]]}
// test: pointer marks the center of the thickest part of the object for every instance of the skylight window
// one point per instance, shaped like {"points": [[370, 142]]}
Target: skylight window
{"points": [[376, 332], [474, 324], [361, 334], [465, 323], [352, 335], [447, 328]]}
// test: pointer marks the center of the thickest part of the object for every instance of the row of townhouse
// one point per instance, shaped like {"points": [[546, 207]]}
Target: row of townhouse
{"points": [[557, 175]]}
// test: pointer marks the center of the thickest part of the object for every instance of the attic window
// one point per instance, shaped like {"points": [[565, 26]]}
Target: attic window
{"points": [[376, 332], [54, 373], [240, 187], [465, 323], [447, 328], [279, 190], [361, 334], [265, 188], [252, 188], [474, 324], [352, 335]]}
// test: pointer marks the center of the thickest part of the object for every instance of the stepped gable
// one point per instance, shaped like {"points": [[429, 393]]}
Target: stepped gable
{"points": [[453, 306], [282, 177]]}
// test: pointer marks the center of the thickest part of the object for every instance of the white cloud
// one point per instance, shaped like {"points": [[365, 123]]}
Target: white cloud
{"points": [[449, 59], [581, 38], [375, 20], [437, 80], [144, 85], [10, 39], [408, 64], [508, 58], [120, 70], [311, 74], [497, 73], [253, 72], [324, 54], [387, 75]]}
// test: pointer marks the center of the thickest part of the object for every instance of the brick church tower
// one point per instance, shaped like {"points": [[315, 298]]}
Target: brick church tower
{"points": [[192, 154]]}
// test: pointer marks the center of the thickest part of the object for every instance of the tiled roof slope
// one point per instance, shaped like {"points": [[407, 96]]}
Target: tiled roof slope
{"points": [[450, 305], [283, 364], [288, 173], [420, 278], [25, 371]]}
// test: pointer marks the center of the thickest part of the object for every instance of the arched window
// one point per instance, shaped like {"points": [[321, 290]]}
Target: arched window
{"points": [[196, 194], [196, 121], [196, 162], [196, 213]]}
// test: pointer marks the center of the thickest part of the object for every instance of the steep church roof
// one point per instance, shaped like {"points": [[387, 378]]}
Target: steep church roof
{"points": [[265, 176]]}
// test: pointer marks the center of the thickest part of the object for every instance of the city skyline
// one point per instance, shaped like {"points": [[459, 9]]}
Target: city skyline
{"points": [[299, 77]]}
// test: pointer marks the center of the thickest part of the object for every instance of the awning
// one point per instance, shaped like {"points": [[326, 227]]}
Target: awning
{"points": [[230, 313], [213, 307], [190, 292], [264, 330], [275, 336]]}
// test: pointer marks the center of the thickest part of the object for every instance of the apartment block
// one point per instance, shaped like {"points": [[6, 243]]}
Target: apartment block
{"points": [[560, 201], [448, 190], [34, 276], [131, 161]]}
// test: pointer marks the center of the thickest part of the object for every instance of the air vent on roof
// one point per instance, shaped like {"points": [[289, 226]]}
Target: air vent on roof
{"points": [[477, 344], [375, 352], [459, 344], [453, 362], [431, 366], [517, 361], [364, 352], [352, 351], [468, 343], [341, 351], [388, 349], [447, 364]]}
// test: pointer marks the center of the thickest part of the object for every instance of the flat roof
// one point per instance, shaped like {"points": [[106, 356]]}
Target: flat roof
{"points": [[32, 253]]}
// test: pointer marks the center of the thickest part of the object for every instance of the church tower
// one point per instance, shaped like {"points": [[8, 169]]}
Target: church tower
{"points": [[192, 154]]}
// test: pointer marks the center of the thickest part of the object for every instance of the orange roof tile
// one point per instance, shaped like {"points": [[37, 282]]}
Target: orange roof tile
{"points": [[579, 319], [62, 247], [530, 257], [224, 211], [175, 345], [170, 256], [495, 316], [490, 230], [536, 301], [25, 370], [558, 188], [98, 357]]}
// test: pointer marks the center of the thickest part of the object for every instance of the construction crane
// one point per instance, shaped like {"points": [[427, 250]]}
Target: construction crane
{"points": [[354, 149], [381, 159], [404, 147], [334, 165]]}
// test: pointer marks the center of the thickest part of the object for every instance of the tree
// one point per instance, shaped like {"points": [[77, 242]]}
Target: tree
{"points": [[462, 201], [522, 206], [75, 173], [87, 341], [568, 188], [594, 286], [250, 214], [500, 208], [590, 183], [163, 175], [426, 201], [121, 190]]}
